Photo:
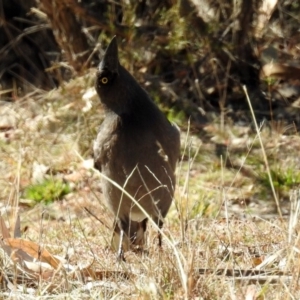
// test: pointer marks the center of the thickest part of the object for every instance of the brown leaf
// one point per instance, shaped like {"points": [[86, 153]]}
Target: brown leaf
{"points": [[41, 269], [280, 71], [88, 271], [257, 260], [34, 250], [4, 230]]}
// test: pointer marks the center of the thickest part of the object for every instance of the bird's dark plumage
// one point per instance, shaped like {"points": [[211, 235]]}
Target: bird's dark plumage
{"points": [[137, 147]]}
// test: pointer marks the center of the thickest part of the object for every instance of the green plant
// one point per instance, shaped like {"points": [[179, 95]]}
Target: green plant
{"points": [[283, 180], [176, 116], [47, 191]]}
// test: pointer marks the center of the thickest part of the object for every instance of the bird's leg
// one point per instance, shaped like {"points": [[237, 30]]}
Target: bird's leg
{"points": [[159, 240], [120, 250], [160, 225]]}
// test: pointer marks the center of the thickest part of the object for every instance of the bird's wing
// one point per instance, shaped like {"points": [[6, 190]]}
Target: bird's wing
{"points": [[104, 142]]}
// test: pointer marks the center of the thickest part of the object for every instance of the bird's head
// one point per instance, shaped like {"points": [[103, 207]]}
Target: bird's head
{"points": [[108, 70], [112, 80], [118, 90]]}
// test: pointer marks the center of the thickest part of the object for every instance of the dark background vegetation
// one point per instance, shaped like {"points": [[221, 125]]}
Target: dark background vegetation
{"points": [[191, 56]]}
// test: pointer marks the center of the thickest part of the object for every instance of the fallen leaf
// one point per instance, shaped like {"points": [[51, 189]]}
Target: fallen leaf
{"points": [[4, 230], [33, 250], [42, 269]]}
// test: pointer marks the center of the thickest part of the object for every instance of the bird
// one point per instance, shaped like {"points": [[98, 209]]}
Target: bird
{"points": [[137, 148]]}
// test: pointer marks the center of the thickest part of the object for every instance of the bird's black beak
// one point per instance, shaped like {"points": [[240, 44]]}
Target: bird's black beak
{"points": [[110, 60]]}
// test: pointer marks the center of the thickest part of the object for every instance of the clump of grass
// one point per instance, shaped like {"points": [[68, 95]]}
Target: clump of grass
{"points": [[283, 180], [47, 191]]}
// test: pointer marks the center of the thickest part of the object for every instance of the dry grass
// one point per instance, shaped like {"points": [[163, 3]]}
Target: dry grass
{"points": [[223, 218]]}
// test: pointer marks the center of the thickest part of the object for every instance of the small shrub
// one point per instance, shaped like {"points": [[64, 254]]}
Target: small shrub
{"points": [[47, 191], [283, 180]]}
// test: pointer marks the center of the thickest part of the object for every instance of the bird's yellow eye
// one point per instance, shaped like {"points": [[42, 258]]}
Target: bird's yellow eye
{"points": [[104, 80]]}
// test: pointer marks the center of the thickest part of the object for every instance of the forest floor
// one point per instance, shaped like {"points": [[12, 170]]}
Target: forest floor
{"points": [[224, 237]]}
